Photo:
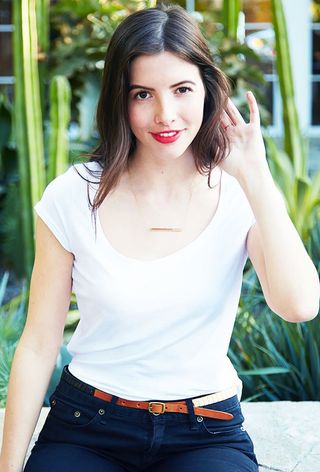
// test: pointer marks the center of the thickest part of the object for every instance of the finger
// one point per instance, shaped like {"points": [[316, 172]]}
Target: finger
{"points": [[234, 113], [254, 109], [225, 120]]}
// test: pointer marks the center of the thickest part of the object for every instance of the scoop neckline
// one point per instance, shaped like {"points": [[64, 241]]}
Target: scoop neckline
{"points": [[188, 247]]}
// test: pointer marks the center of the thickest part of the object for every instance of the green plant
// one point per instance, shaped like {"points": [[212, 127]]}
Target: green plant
{"points": [[5, 128], [289, 166], [12, 320], [301, 193], [239, 62], [230, 17], [10, 229], [81, 32], [60, 96], [313, 242], [293, 142], [27, 118], [277, 360]]}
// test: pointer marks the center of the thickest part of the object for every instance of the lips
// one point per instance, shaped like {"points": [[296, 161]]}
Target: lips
{"points": [[167, 137]]}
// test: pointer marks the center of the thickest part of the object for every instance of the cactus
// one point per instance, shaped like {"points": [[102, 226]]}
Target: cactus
{"points": [[230, 17], [293, 142], [28, 116], [32, 97], [27, 119], [60, 98], [42, 16]]}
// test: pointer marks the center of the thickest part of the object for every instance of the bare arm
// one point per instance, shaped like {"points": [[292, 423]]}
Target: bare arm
{"points": [[288, 277], [39, 345], [286, 272]]}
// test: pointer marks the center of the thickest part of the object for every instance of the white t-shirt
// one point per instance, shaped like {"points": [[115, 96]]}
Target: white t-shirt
{"points": [[155, 329]]}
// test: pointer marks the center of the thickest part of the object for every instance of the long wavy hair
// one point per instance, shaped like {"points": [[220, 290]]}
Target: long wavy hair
{"points": [[151, 31]]}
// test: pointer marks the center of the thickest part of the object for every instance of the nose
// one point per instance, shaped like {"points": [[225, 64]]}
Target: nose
{"points": [[165, 112]]}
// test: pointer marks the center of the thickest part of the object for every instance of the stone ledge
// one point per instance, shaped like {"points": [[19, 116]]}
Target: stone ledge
{"points": [[286, 435]]}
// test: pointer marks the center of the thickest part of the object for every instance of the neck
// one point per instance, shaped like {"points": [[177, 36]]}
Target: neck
{"points": [[162, 178]]}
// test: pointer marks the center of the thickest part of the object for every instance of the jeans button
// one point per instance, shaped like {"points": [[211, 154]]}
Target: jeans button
{"points": [[101, 411], [77, 414], [199, 419]]}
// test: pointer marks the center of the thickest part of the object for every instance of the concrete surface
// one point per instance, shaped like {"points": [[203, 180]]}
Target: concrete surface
{"points": [[286, 435]]}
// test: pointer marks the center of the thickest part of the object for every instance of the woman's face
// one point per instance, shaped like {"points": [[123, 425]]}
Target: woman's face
{"points": [[166, 94]]}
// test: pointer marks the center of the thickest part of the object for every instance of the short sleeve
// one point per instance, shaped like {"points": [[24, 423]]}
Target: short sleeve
{"points": [[53, 209]]}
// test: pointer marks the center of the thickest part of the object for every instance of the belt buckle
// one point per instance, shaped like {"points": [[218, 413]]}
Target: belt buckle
{"points": [[157, 403]]}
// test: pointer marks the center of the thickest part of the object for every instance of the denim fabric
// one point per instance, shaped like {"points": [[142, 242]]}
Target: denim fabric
{"points": [[83, 433]]}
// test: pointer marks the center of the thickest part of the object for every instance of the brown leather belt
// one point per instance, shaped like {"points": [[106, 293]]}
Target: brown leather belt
{"points": [[157, 408]]}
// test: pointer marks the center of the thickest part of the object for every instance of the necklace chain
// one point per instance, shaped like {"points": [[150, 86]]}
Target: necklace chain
{"points": [[163, 228]]}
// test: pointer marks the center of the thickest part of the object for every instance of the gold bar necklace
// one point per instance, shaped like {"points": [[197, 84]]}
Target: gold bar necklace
{"points": [[172, 229]]}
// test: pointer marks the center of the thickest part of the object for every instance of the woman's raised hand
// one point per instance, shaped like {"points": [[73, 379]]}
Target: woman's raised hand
{"points": [[247, 151]]}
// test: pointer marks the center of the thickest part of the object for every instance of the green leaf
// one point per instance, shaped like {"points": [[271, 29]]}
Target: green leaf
{"points": [[265, 371]]}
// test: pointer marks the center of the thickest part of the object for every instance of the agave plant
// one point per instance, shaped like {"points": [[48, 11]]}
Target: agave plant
{"points": [[277, 360]]}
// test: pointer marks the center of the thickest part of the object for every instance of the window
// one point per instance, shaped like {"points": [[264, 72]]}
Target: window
{"points": [[315, 61], [259, 36], [6, 63]]}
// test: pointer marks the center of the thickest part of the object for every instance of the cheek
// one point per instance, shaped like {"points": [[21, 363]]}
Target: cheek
{"points": [[137, 118], [197, 107]]}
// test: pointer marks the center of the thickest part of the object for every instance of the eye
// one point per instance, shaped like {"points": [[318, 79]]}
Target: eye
{"points": [[184, 88], [136, 96], [139, 95]]}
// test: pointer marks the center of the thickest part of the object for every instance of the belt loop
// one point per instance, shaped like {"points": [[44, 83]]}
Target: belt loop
{"points": [[112, 404], [194, 424]]}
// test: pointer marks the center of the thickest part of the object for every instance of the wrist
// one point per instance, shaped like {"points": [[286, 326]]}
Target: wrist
{"points": [[255, 177], [6, 465]]}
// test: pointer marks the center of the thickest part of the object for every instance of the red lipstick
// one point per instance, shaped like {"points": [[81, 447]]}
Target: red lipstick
{"points": [[167, 137]]}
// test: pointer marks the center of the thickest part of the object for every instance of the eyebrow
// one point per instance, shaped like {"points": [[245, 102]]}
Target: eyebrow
{"points": [[135, 86]]}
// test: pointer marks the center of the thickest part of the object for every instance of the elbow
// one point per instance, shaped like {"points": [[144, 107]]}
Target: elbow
{"points": [[299, 314], [303, 308], [301, 318]]}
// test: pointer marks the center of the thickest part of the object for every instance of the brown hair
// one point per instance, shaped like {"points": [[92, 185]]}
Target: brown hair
{"points": [[150, 31]]}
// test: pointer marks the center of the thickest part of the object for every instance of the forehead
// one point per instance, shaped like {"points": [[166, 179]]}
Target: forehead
{"points": [[161, 68]]}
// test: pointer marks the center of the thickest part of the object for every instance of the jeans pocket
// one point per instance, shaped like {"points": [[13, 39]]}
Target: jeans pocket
{"points": [[221, 429], [72, 413], [216, 426]]}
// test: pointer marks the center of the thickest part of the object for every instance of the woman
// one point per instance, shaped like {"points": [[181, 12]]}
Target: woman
{"points": [[183, 195]]}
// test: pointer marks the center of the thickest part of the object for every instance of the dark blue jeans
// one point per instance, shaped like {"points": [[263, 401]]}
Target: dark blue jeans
{"points": [[83, 433]]}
